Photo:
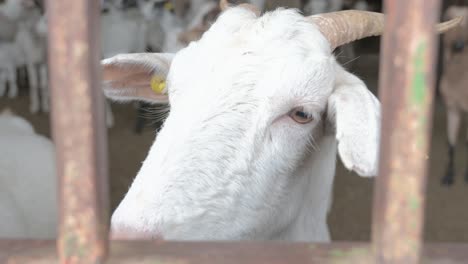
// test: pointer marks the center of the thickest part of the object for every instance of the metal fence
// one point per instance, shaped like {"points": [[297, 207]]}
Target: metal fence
{"points": [[406, 88]]}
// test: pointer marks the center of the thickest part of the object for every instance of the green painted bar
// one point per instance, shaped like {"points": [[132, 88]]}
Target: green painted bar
{"points": [[406, 92]]}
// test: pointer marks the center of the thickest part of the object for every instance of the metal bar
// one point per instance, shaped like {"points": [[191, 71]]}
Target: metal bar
{"points": [[78, 130], [227, 252], [406, 90]]}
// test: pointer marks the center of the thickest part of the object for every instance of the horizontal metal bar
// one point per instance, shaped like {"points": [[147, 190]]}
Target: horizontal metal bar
{"points": [[162, 252]]}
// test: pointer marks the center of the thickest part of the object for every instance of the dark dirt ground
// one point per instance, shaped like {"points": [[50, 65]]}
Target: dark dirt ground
{"points": [[350, 217]]}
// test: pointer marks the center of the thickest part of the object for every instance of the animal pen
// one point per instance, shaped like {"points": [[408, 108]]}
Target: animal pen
{"points": [[406, 92]]}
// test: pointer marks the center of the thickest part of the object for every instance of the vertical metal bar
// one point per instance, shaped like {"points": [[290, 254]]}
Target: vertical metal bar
{"points": [[78, 129], [406, 87]]}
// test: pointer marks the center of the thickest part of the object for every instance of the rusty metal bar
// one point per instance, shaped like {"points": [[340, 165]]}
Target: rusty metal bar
{"points": [[406, 90], [39, 252], [78, 130]]}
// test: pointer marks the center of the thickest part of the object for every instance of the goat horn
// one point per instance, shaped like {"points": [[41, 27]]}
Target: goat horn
{"points": [[448, 25], [224, 5], [343, 27]]}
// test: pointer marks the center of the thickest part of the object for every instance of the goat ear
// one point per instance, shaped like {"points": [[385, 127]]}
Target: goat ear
{"points": [[355, 113], [138, 76]]}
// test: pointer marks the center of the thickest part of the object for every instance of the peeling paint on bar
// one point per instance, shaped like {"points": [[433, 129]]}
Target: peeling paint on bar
{"points": [[78, 130], [406, 92], [420, 90], [419, 85]]}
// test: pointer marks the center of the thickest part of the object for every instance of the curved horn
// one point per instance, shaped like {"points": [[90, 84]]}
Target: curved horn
{"points": [[224, 5], [342, 27], [448, 25]]}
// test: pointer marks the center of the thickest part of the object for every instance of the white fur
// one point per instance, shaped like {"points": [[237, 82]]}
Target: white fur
{"points": [[29, 51], [170, 24], [9, 55], [28, 199], [40, 30], [12, 9], [23, 51], [8, 28], [229, 162], [34, 48], [121, 33]]}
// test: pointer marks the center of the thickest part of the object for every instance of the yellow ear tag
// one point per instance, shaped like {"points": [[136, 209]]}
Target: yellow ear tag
{"points": [[168, 6], [157, 84]]}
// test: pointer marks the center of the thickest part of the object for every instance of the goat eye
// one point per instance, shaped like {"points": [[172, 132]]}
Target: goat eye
{"points": [[299, 116]]}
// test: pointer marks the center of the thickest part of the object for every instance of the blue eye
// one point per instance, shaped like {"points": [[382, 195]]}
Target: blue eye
{"points": [[300, 116]]}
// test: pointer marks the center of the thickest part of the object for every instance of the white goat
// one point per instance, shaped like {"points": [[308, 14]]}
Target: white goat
{"points": [[28, 199], [40, 30], [7, 28], [14, 9], [125, 31], [174, 23], [121, 32], [34, 47], [259, 110], [24, 51], [11, 12], [166, 24], [9, 56], [29, 51]]}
